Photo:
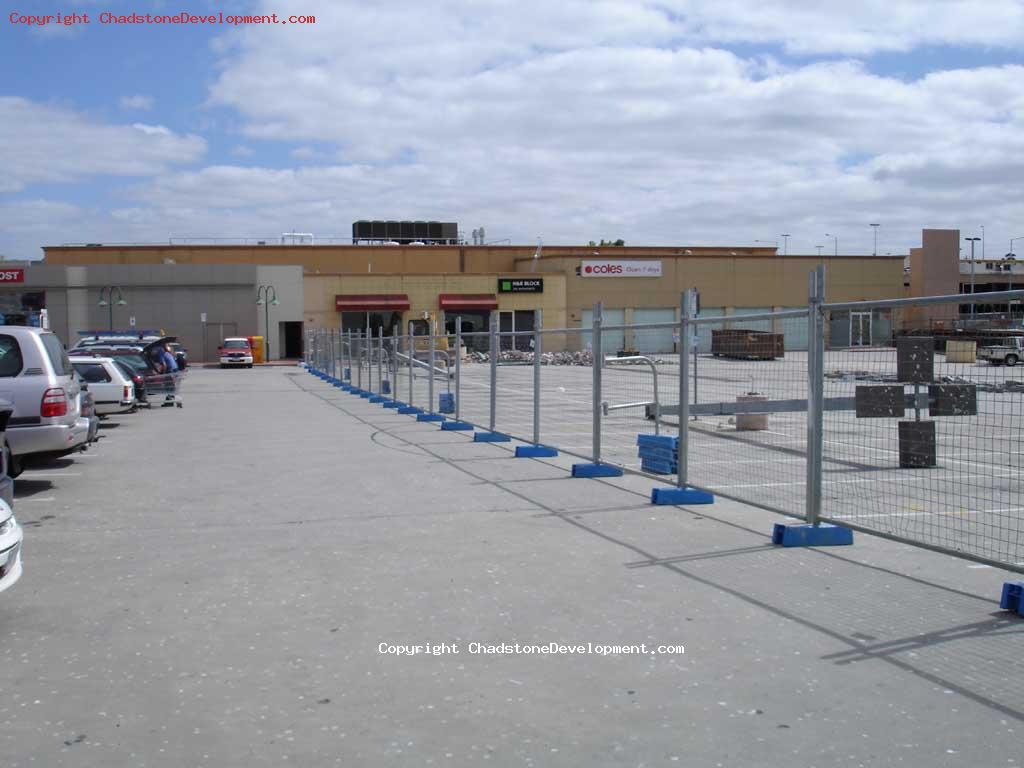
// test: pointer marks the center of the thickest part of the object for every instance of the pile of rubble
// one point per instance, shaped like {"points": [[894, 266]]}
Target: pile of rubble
{"points": [[584, 358], [1008, 385]]}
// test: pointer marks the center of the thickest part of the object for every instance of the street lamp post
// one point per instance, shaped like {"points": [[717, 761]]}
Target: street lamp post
{"points": [[109, 301], [875, 227], [785, 244], [819, 247], [836, 239], [265, 296], [972, 241]]}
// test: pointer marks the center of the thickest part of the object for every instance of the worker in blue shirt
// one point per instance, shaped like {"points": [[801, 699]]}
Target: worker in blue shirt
{"points": [[167, 358]]}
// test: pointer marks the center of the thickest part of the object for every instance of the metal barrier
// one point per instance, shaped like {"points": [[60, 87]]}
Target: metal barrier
{"points": [[833, 413]]}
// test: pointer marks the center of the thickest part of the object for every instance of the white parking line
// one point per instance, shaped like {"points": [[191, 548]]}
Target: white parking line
{"points": [[33, 498]]}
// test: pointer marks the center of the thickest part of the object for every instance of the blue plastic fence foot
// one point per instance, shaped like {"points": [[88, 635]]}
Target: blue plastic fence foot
{"points": [[430, 417], [366, 395], [394, 404], [685, 495], [595, 470], [379, 399], [804, 535], [490, 437], [406, 410], [1013, 597], [456, 426], [535, 452]]}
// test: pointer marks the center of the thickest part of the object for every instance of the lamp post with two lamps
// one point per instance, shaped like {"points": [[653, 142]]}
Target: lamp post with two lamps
{"points": [[265, 296], [836, 239], [109, 300]]}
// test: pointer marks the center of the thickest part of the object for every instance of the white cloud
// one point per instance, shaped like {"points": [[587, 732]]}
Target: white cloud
{"points": [[137, 102], [605, 119], [48, 143], [588, 119]]}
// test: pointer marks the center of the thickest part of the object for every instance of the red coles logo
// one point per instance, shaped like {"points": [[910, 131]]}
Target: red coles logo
{"points": [[604, 269]]}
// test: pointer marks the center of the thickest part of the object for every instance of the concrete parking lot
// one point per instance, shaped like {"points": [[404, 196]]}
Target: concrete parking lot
{"points": [[212, 586]]}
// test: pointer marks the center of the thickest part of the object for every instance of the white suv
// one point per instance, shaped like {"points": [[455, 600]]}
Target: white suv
{"points": [[37, 378], [10, 547]]}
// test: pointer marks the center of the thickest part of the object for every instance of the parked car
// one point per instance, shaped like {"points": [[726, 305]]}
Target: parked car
{"points": [[235, 351], [112, 389], [87, 407], [37, 378], [1009, 352], [6, 483], [141, 359], [136, 378], [10, 547]]}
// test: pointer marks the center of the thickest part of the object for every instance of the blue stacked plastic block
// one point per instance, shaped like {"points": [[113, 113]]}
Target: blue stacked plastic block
{"points": [[446, 402], [659, 454]]}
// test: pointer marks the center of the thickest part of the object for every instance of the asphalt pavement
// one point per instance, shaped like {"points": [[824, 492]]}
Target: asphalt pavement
{"points": [[231, 584]]}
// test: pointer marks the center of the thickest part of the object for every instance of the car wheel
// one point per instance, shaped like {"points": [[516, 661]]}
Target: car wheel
{"points": [[1011, 360], [15, 466]]}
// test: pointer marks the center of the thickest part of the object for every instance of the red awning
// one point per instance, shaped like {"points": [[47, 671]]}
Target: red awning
{"points": [[466, 301], [371, 302]]}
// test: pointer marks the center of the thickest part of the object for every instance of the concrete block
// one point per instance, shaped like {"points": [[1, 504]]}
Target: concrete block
{"points": [[595, 470], [1013, 597], [803, 535], [535, 451], [673, 496]]}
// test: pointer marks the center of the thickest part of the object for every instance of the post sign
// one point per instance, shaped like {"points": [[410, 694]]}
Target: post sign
{"points": [[619, 268], [202, 317], [521, 285], [12, 275]]}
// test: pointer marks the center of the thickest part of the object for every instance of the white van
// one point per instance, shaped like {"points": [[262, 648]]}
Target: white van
{"points": [[37, 378]]}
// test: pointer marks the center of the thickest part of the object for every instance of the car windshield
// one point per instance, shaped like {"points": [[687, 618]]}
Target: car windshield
{"points": [[236, 344]]}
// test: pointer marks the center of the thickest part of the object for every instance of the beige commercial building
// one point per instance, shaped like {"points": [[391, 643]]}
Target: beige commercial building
{"points": [[352, 285]]}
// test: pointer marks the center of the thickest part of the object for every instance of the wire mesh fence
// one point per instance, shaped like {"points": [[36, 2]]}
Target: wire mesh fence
{"points": [[748, 410], [923, 429], [869, 415]]}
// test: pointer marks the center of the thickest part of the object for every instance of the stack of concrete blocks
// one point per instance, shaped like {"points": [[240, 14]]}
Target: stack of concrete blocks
{"points": [[659, 454]]}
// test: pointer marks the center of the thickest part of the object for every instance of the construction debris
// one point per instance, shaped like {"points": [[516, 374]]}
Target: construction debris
{"points": [[583, 358]]}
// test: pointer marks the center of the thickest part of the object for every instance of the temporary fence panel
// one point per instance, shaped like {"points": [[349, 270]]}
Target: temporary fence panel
{"points": [[842, 412], [917, 447], [654, 340], [794, 334], [748, 412], [703, 335], [613, 341]]}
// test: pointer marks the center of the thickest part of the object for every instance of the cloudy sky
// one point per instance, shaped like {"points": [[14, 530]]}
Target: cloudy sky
{"points": [[671, 122]]}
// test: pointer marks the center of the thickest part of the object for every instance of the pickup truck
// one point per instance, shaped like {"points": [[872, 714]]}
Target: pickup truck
{"points": [[1009, 351]]}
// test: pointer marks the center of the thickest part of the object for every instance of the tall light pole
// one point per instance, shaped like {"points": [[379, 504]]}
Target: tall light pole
{"points": [[265, 296], [109, 300], [836, 239], [1012, 241], [875, 227], [785, 244], [819, 247], [982, 227], [972, 241]]}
